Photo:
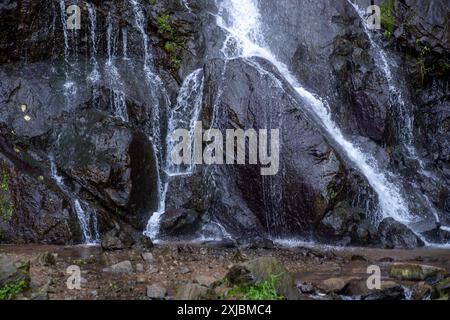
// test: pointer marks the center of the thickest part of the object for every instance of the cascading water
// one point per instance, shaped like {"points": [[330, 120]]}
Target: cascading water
{"points": [[184, 115], [241, 20], [405, 113], [159, 101], [117, 96], [70, 88], [94, 76], [87, 218], [125, 44]]}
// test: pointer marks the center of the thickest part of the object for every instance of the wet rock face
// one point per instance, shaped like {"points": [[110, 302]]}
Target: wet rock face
{"points": [[108, 164], [325, 45], [289, 202], [113, 163], [32, 209]]}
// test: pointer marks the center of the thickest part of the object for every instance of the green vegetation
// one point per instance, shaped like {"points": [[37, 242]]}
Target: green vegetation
{"points": [[388, 17], [264, 291], [421, 65], [11, 290], [164, 23], [174, 43], [6, 205]]}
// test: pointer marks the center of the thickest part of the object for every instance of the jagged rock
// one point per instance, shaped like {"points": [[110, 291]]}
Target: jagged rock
{"points": [[205, 280], [180, 221], [156, 292], [191, 291], [121, 267], [264, 269], [416, 272], [111, 241], [393, 234]]}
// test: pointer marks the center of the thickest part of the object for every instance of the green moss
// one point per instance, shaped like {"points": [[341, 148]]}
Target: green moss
{"points": [[11, 290], [388, 17], [164, 23], [263, 291], [6, 205], [170, 48], [174, 44]]}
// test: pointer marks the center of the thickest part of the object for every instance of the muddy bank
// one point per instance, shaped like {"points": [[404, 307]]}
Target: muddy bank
{"points": [[198, 272]]}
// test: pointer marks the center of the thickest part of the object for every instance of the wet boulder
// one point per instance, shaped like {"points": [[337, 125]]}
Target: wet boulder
{"points": [[394, 234], [180, 222]]}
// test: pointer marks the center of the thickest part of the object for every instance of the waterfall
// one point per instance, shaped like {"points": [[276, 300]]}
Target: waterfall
{"points": [[87, 218], [88, 221], [125, 44], [184, 115], [406, 123], [159, 100], [140, 24], [405, 114], [69, 86], [117, 96], [241, 20]]}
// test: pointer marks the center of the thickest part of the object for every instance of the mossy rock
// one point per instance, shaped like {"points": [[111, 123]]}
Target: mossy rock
{"points": [[416, 272], [442, 290], [14, 277], [263, 270]]}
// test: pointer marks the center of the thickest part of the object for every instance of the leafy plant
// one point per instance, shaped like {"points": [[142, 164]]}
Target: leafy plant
{"points": [[388, 17], [10, 291], [263, 291], [164, 23]]}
